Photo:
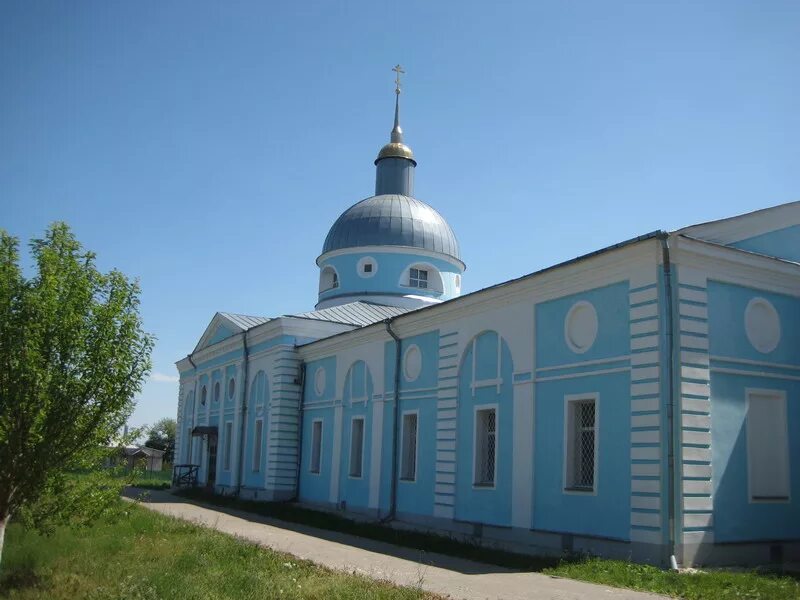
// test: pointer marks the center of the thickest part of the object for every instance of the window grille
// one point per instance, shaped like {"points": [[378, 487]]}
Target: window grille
{"points": [[368, 268], [227, 458], [408, 470], [486, 446], [582, 448], [316, 446], [335, 282], [257, 442], [356, 447], [418, 278]]}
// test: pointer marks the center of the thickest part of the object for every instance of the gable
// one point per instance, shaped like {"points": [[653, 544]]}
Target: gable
{"points": [[220, 328], [772, 231], [220, 333], [783, 243]]}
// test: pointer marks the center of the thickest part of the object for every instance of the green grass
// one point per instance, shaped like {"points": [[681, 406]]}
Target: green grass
{"points": [[147, 556], [715, 584], [426, 542]]}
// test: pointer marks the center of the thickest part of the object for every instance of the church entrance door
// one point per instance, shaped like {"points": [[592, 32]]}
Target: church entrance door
{"points": [[212, 461]]}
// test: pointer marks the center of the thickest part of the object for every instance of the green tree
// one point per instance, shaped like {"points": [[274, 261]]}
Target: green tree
{"points": [[161, 436], [72, 356]]}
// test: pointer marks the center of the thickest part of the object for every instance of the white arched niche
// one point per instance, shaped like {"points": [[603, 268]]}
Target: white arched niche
{"points": [[422, 276]]}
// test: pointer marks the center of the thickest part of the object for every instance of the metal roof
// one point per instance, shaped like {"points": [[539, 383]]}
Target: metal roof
{"points": [[245, 321], [354, 313], [392, 220]]}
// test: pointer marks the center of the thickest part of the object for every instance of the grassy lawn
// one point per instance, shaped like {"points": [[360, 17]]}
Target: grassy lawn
{"points": [[710, 585], [147, 556]]}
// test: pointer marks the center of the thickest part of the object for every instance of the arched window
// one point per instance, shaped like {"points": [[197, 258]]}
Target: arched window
{"points": [[422, 276], [203, 395], [216, 392], [328, 279]]}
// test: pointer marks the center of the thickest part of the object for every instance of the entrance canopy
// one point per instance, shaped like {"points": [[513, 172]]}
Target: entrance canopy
{"points": [[204, 430]]}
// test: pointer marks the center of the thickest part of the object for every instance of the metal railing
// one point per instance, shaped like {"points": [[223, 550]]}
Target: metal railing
{"points": [[184, 475]]}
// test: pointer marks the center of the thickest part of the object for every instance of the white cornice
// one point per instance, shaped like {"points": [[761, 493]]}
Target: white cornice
{"points": [[392, 250], [608, 267], [731, 265], [740, 227], [331, 345]]}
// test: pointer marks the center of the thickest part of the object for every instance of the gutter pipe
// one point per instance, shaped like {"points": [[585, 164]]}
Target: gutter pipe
{"points": [[396, 424], [243, 419], [671, 370], [302, 384]]}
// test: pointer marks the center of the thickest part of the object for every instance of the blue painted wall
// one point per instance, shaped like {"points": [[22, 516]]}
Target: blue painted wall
{"points": [[386, 280], [356, 403], [315, 487], [606, 513], [784, 243], [735, 518], [416, 497], [485, 504], [613, 334]]}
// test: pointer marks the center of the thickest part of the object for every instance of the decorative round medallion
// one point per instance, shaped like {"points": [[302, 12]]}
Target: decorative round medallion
{"points": [[762, 325], [580, 327], [319, 381], [412, 363]]}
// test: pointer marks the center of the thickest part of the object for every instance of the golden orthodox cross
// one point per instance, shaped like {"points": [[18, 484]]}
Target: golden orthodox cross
{"points": [[399, 70]]}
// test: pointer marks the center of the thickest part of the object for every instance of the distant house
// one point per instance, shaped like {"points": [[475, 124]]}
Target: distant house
{"points": [[132, 456]]}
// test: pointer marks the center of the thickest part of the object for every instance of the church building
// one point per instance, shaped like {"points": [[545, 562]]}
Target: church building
{"points": [[639, 402]]}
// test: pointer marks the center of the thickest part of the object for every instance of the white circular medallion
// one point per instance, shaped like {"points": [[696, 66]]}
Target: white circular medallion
{"points": [[367, 267], [762, 325], [319, 381], [412, 363], [580, 327]]}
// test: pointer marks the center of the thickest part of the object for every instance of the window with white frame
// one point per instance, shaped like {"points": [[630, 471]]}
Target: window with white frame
{"points": [[316, 446], [258, 441], [767, 446], [485, 446], [408, 465], [581, 443], [418, 278], [328, 279], [356, 447], [226, 458]]}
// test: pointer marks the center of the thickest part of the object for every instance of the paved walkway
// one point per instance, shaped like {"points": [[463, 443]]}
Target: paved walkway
{"points": [[437, 573]]}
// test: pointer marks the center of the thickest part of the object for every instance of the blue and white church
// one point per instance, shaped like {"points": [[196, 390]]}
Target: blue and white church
{"points": [[642, 401]]}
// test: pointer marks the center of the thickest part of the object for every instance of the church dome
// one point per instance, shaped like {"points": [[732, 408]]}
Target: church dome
{"points": [[392, 220]]}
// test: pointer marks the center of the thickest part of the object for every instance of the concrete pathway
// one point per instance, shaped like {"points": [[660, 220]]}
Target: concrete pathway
{"points": [[436, 573]]}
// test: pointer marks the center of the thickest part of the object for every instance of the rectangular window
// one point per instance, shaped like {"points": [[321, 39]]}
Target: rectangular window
{"points": [[485, 446], [408, 466], [257, 443], [316, 446], [356, 447], [767, 446], [418, 278], [226, 459], [581, 444]]}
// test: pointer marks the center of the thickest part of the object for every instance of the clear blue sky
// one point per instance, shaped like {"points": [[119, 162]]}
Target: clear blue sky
{"points": [[207, 147]]}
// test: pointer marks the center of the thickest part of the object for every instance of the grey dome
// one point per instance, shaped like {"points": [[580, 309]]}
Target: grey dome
{"points": [[392, 220]]}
